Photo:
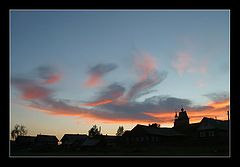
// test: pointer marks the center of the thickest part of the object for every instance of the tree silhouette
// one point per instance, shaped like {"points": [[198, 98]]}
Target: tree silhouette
{"points": [[120, 131], [18, 130], [94, 131], [155, 125]]}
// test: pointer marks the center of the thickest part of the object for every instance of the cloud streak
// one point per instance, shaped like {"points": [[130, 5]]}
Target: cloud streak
{"points": [[96, 74], [219, 96], [145, 85], [146, 67], [30, 89], [184, 62], [49, 74]]}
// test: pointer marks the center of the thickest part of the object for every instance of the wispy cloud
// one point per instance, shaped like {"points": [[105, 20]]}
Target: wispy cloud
{"points": [[96, 74], [217, 96], [143, 86], [49, 74], [182, 62], [30, 89], [107, 95], [148, 76], [145, 66], [185, 62]]}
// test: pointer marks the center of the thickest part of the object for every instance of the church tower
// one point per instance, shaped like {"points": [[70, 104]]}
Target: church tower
{"points": [[181, 121]]}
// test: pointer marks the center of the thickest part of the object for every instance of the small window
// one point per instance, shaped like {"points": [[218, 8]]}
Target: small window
{"points": [[211, 133]]}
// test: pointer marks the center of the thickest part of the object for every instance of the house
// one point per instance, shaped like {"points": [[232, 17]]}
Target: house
{"points": [[207, 127], [207, 131], [92, 142], [142, 134], [45, 142], [210, 127], [25, 141], [111, 141], [73, 140]]}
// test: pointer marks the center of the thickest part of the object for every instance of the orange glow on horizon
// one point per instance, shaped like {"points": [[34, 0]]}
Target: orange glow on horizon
{"points": [[218, 110], [220, 104]]}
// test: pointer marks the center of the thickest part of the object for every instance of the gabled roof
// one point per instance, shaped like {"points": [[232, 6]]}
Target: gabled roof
{"points": [[46, 138], [126, 132], [74, 137], [210, 123], [158, 131]]}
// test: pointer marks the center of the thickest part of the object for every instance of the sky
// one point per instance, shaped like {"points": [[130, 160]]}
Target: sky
{"points": [[72, 69]]}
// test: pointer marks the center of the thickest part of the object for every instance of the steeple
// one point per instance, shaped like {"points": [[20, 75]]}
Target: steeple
{"points": [[182, 120]]}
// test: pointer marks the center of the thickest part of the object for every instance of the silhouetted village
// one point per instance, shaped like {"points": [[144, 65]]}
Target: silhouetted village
{"points": [[207, 137]]}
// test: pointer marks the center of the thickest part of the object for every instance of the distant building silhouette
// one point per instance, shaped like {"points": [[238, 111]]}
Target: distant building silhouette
{"points": [[142, 134], [25, 141], [181, 121], [45, 142], [73, 140], [213, 128], [207, 130]]}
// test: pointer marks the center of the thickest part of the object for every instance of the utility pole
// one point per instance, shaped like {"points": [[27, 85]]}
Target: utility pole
{"points": [[228, 115]]}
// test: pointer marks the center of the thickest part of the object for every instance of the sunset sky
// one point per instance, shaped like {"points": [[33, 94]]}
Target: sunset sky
{"points": [[73, 69]]}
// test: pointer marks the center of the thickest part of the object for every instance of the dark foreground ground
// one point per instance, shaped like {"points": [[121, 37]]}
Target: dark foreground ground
{"points": [[129, 151]]}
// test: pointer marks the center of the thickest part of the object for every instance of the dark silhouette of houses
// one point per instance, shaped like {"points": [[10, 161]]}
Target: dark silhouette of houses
{"points": [[111, 141], [207, 127], [92, 142], [25, 142], [142, 134], [73, 140], [183, 133], [213, 128], [45, 142], [207, 131], [100, 141]]}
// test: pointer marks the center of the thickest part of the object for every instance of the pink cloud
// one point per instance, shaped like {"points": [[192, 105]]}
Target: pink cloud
{"points": [[30, 89], [93, 80], [96, 74], [53, 79], [145, 66], [98, 103], [182, 62], [48, 74]]}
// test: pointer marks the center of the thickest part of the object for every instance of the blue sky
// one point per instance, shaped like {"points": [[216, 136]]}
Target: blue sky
{"points": [[190, 47]]}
